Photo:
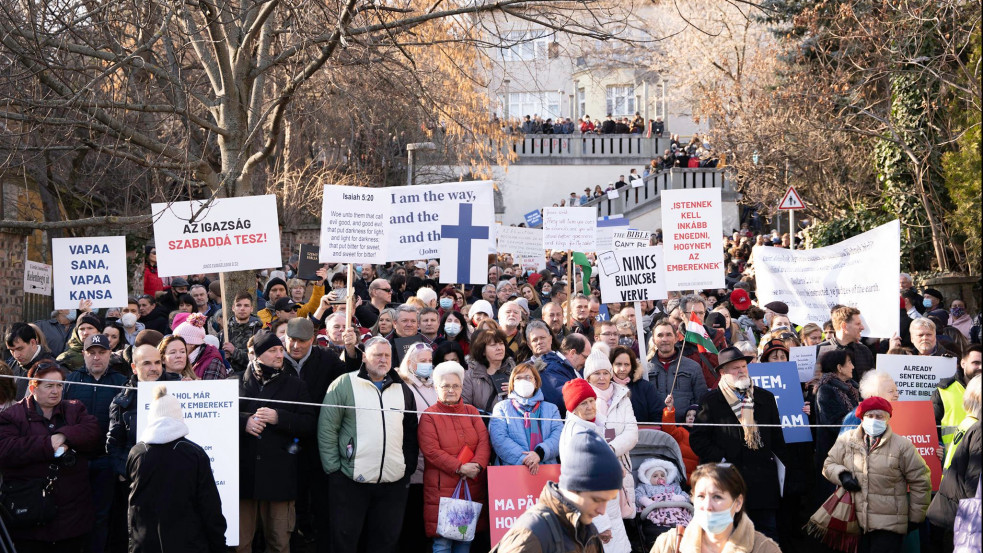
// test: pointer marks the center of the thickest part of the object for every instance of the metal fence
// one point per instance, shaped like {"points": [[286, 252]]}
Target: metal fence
{"points": [[630, 199]]}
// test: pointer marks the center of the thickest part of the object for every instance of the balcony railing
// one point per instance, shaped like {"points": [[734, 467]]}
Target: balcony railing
{"points": [[591, 146], [630, 199]]}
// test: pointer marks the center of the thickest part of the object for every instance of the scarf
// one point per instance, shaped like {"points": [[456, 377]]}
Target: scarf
{"points": [[835, 522], [871, 441], [264, 373], [604, 398], [847, 394], [744, 411], [622, 381], [529, 412]]}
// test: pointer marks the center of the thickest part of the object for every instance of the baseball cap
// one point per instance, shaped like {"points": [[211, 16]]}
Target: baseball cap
{"points": [[740, 299], [285, 304], [96, 341]]}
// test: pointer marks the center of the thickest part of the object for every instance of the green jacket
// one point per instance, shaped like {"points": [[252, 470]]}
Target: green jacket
{"points": [[376, 443]]}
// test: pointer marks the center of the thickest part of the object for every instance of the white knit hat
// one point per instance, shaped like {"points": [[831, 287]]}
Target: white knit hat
{"points": [[597, 360], [649, 465], [481, 306], [164, 405]]}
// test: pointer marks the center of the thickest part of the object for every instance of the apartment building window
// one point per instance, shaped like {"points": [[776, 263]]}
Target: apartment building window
{"points": [[621, 100], [526, 45], [581, 102], [543, 103]]}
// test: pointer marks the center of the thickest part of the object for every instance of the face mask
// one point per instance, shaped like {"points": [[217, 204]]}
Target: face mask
{"points": [[424, 370], [524, 388], [874, 427], [626, 341], [446, 303], [957, 312], [713, 522], [546, 293], [72, 315], [452, 329], [927, 302], [290, 275], [129, 320], [358, 269]]}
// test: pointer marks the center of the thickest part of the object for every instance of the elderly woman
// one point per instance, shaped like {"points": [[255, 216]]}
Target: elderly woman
{"points": [[518, 434], [962, 468], [719, 522], [416, 370], [174, 357], [454, 448], [872, 384], [384, 324], [627, 371], [889, 479], [43, 437], [774, 351], [488, 370], [836, 395]]}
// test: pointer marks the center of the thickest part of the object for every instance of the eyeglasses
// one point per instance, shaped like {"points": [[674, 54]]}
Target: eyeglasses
{"points": [[386, 290], [450, 387]]}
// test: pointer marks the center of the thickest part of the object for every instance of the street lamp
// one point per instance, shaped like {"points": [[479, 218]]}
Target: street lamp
{"points": [[410, 148]]}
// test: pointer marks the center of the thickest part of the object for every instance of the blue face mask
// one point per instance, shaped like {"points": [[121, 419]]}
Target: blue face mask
{"points": [[358, 269], [713, 522], [546, 293], [424, 370], [874, 427], [927, 302], [446, 303]]}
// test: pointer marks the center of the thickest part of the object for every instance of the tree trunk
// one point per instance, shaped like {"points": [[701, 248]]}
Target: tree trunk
{"points": [[937, 241]]}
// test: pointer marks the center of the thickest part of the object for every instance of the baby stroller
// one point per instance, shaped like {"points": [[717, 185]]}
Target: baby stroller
{"points": [[657, 444]]}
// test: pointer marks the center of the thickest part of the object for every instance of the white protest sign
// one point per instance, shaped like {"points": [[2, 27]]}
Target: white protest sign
{"points": [[632, 275], [613, 194], [859, 272], [37, 278], [353, 225], [417, 213], [630, 239], [916, 376], [231, 234], [520, 241], [804, 358], [91, 269], [693, 239], [211, 411], [570, 228], [606, 228]]}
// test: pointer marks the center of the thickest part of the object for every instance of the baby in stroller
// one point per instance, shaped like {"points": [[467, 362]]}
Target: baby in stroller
{"points": [[659, 497]]}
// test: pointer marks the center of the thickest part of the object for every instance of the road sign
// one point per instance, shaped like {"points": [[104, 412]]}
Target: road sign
{"points": [[791, 200]]}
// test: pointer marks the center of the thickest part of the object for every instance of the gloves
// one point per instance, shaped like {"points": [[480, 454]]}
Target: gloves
{"points": [[849, 481]]}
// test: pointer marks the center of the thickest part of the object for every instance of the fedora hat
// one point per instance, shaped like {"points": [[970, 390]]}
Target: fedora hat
{"points": [[729, 355]]}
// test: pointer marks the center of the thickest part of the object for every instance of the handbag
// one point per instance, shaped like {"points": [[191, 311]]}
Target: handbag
{"points": [[457, 518], [27, 503], [968, 528]]}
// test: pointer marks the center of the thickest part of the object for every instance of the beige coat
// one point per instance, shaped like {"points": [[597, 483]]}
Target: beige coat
{"points": [[895, 486], [744, 540]]}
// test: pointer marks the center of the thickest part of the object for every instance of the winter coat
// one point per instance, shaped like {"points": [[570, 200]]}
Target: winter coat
{"points": [[239, 335], [267, 470], [369, 446], [960, 480], [552, 526], [26, 454], [425, 396], [55, 333], [895, 486], [744, 539], [267, 314], [646, 400], [151, 282], [173, 501], [863, 358], [123, 422], [479, 389], [557, 372], [715, 443], [209, 365], [690, 387], [620, 430], [157, 320], [681, 435], [508, 434], [442, 438], [17, 370], [96, 399], [834, 400], [72, 358]]}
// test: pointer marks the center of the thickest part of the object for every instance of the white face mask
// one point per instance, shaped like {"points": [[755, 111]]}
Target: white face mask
{"points": [[129, 320], [452, 329], [874, 427], [72, 315], [524, 388]]}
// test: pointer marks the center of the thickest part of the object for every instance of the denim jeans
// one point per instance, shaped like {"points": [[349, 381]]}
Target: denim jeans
{"points": [[444, 545]]}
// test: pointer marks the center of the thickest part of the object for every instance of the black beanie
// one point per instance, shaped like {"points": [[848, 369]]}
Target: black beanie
{"points": [[271, 283], [91, 319], [263, 341]]}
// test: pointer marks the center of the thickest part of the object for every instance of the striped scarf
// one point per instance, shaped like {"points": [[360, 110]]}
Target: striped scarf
{"points": [[533, 432], [743, 408], [835, 522]]}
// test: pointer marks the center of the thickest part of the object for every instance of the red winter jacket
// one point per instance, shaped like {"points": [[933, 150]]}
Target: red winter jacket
{"points": [[441, 440], [151, 282], [681, 435], [26, 453]]}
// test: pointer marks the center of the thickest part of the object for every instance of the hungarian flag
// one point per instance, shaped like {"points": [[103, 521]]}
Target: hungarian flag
{"points": [[697, 334]]}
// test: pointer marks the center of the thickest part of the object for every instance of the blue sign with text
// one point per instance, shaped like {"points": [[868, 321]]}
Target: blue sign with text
{"points": [[782, 380]]}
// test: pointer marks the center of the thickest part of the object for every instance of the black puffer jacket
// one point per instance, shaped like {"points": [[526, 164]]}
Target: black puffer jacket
{"points": [[123, 423], [960, 479]]}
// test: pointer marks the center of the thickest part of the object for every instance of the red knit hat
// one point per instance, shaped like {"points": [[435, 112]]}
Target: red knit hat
{"points": [[575, 392], [871, 404], [740, 299]]}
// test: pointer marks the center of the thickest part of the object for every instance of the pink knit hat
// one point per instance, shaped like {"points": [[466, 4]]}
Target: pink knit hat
{"points": [[192, 329], [179, 318]]}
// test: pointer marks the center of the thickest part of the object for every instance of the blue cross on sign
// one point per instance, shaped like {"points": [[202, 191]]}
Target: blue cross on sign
{"points": [[464, 232]]}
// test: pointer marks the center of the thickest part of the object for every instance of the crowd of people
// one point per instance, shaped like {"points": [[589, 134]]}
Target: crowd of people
{"points": [[355, 424], [535, 124]]}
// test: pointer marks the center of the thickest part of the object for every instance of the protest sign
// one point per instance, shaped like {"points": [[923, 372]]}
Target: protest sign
{"points": [[624, 239], [533, 218], [353, 225], [916, 376], [91, 269], [804, 358], [860, 272], [570, 228], [606, 227], [464, 245], [632, 275], [211, 411], [915, 421], [782, 380], [512, 490], [417, 213], [612, 194], [520, 241], [693, 239], [308, 262], [37, 278], [230, 234]]}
